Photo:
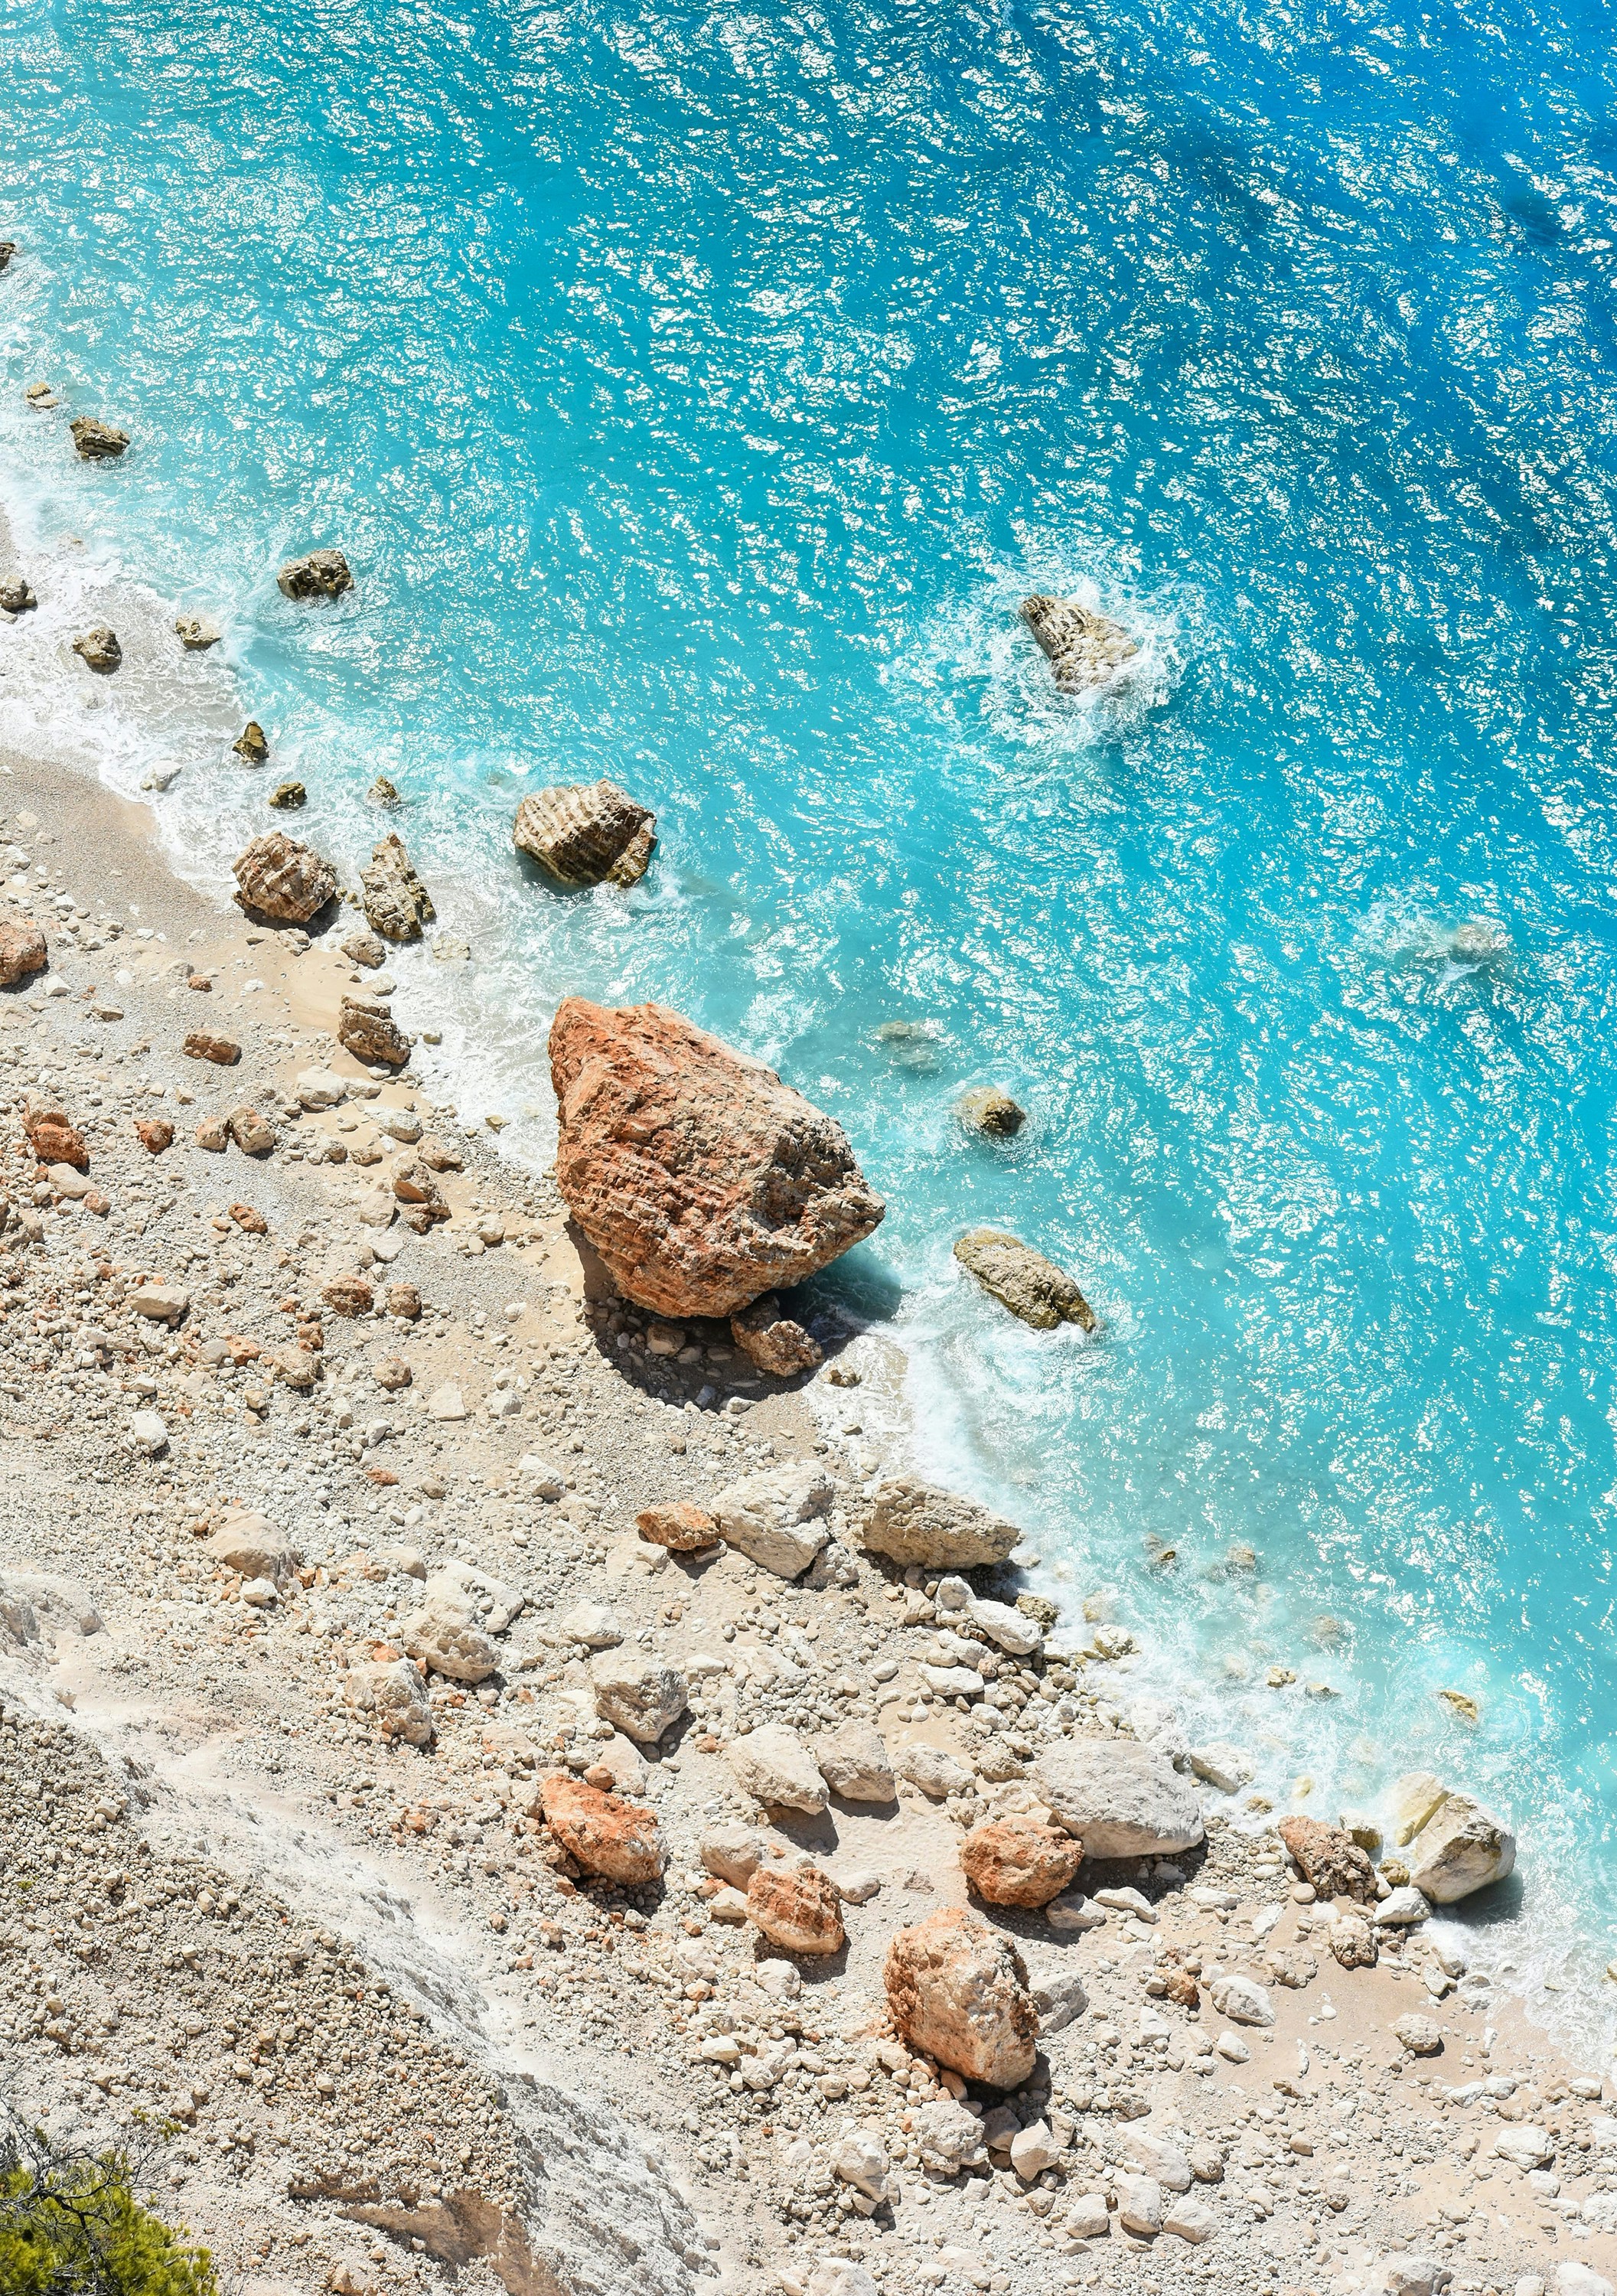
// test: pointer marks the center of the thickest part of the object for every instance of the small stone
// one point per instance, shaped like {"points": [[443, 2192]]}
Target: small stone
{"points": [[934, 1771], [404, 1300], [250, 1221], [251, 744], [912, 1521], [98, 442], [1404, 1907], [777, 1518], [160, 1303], [1461, 1849], [1241, 1999], [1329, 1858], [1353, 1944], [203, 1045], [958, 1992], [195, 634], [396, 904], [1419, 2035], [154, 1133], [447, 1403], [1069, 1914], [151, 1436], [286, 796], [23, 950], [861, 2160], [371, 1033], [1033, 2150], [213, 1134], [1088, 2218], [392, 1694], [16, 596], [1121, 1799], [616, 1838], [732, 1853], [779, 1347], [363, 949], [254, 1134], [1139, 2206], [281, 880]]}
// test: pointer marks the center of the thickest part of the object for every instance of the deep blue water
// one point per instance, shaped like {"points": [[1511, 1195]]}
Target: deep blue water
{"points": [[697, 395]]}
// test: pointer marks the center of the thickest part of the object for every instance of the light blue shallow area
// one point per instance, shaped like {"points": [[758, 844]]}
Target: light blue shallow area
{"points": [[697, 395]]}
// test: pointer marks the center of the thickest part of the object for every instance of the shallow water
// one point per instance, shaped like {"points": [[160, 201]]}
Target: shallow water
{"points": [[697, 394]]}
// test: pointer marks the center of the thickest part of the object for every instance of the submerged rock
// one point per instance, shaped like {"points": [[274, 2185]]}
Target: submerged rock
{"points": [[98, 442], [910, 1044], [322, 574], [8, 248], [985, 1109], [1084, 648], [396, 904], [99, 650], [282, 880], [700, 1177], [1024, 1281], [586, 833]]}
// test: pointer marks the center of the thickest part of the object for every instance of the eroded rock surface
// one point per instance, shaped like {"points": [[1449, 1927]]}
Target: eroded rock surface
{"points": [[586, 833]]}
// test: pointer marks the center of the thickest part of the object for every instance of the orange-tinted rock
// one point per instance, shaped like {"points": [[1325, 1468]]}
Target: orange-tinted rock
{"points": [[701, 1178], [349, 1295], [773, 1341], [684, 1526], [154, 1133], [799, 1911], [53, 1140], [282, 880], [616, 1838], [1182, 1989], [202, 1044], [1331, 1859], [1012, 1861], [23, 950], [371, 1033], [249, 1221], [958, 1992]]}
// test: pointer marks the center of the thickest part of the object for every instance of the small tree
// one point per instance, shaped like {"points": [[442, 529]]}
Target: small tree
{"points": [[71, 2224]]}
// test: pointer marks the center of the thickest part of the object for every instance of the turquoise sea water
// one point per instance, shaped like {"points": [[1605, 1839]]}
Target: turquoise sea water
{"points": [[696, 394]]}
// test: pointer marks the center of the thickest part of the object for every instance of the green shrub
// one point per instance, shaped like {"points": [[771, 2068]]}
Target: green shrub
{"points": [[71, 2224]]}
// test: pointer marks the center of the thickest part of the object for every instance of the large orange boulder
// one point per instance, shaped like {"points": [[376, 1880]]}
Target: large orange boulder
{"points": [[800, 1911], [958, 1992], [616, 1838], [1012, 1861], [701, 1178]]}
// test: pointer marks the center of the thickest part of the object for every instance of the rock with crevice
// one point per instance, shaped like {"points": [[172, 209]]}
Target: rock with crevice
{"points": [[319, 574], [368, 1031], [616, 1838], [586, 833], [1083, 647], [396, 904], [1016, 1861], [1032, 1287], [913, 1521], [702, 1180], [281, 880], [98, 442], [958, 1992], [797, 1908]]}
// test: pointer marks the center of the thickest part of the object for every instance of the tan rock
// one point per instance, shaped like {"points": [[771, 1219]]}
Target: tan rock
{"points": [[773, 1341], [616, 1838], [683, 1527], [251, 744], [1416, 1798], [281, 880], [404, 1299], [286, 796], [99, 650], [638, 1694], [990, 1111], [391, 1373], [154, 1133], [249, 1220], [1083, 647], [98, 442], [799, 1910], [347, 1295], [23, 950], [777, 1768], [1024, 1281], [204, 1045], [700, 1179], [249, 1543], [854, 1763], [213, 1132], [586, 833], [253, 1134], [1013, 1861], [396, 904], [958, 1992], [913, 1521], [776, 1518], [54, 1140], [322, 574], [195, 634], [1461, 1848], [1329, 1858], [392, 1693], [160, 1303], [370, 1032], [412, 1184]]}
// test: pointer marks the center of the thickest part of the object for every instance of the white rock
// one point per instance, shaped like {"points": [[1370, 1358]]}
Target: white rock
{"points": [[1409, 2276], [392, 1693], [260, 1593], [444, 1642], [503, 1403], [1419, 2035], [777, 1768], [1158, 2156], [148, 1434], [854, 1763], [1190, 2217], [539, 1478], [835, 2276], [1461, 1848], [1125, 1900], [1058, 1992], [591, 1624], [1241, 1999], [460, 1590], [1073, 1912], [1123, 1799], [319, 1088], [638, 1694], [782, 1980], [733, 1853], [936, 1773], [1088, 2218], [1524, 2147], [1231, 2045], [160, 1303], [953, 1681], [446, 1402], [1575, 2279], [777, 1518], [951, 2138], [861, 2160], [857, 1887], [1139, 2206], [1011, 1630], [1405, 1907], [1224, 1767]]}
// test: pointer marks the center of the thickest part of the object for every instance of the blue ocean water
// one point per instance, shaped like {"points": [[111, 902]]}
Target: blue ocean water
{"points": [[697, 392]]}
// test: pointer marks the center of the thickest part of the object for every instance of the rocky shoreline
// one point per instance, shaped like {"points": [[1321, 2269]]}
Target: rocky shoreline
{"points": [[516, 1789]]}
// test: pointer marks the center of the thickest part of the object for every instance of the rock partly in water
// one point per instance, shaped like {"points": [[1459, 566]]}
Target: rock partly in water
{"points": [[1015, 1861], [396, 904], [206, 1044], [16, 597], [958, 1992], [773, 1341], [987, 1110], [1083, 647], [282, 880], [23, 950], [701, 1178], [1461, 1848], [586, 833], [322, 574], [286, 796], [1024, 1281], [911, 1522], [251, 744], [195, 634], [1123, 1799], [371, 1033], [777, 1519], [98, 442], [99, 650]]}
